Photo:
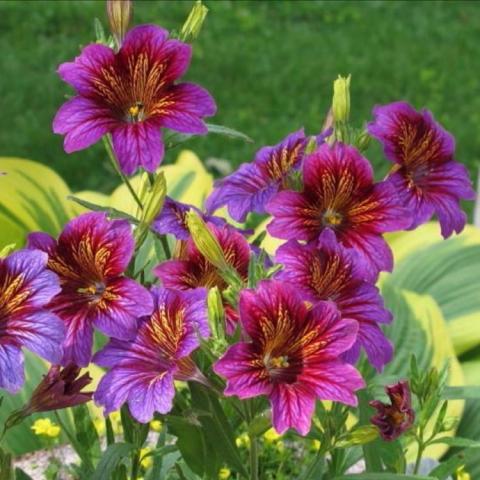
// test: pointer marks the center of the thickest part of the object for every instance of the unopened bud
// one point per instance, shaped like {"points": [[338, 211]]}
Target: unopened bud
{"points": [[341, 99], [362, 142], [216, 313], [193, 24], [205, 241], [119, 14], [358, 436], [7, 249]]}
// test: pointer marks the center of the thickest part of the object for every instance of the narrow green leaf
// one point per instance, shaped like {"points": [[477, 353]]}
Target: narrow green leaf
{"points": [[228, 132], [449, 466], [457, 442], [383, 476], [462, 393], [111, 212], [111, 459], [86, 432], [21, 475]]}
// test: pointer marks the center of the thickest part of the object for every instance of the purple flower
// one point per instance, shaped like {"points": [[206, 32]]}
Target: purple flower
{"points": [[142, 371], [329, 271], [26, 287], [395, 418], [425, 176], [191, 269], [254, 184], [293, 356], [131, 94], [339, 194], [90, 257]]}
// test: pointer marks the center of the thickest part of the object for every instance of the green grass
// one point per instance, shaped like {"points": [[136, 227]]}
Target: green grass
{"points": [[270, 66]]}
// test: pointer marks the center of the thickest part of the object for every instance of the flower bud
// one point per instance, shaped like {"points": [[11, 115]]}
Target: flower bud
{"points": [[341, 99], [216, 313], [152, 196], [358, 436], [193, 24], [119, 13], [205, 241], [7, 249]]}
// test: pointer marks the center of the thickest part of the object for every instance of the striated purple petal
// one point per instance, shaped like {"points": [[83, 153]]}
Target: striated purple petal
{"points": [[77, 347], [83, 122], [41, 241], [138, 145], [11, 368], [182, 107]]}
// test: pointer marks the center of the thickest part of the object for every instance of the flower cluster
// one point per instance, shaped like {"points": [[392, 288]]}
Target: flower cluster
{"points": [[292, 333]]}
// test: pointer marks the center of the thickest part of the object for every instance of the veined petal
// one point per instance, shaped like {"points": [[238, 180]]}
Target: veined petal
{"points": [[11, 368], [244, 372], [41, 241], [182, 107], [138, 144], [77, 347], [83, 122], [292, 407]]}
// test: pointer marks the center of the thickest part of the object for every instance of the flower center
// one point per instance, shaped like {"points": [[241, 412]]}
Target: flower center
{"points": [[96, 290], [136, 113], [332, 218], [279, 362]]}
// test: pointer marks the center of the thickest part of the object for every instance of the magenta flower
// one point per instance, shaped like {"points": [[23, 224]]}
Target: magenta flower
{"points": [[250, 187], [90, 257], [397, 417], [293, 356], [26, 287], [329, 271], [132, 95], [192, 269], [142, 371], [425, 176], [339, 194]]}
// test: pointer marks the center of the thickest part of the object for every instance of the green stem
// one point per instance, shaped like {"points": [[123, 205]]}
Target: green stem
{"points": [[135, 465], [165, 246], [253, 458], [107, 142], [421, 449]]}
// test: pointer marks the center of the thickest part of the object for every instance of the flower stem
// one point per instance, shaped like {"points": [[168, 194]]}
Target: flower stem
{"points": [[253, 458], [135, 465], [107, 142]]}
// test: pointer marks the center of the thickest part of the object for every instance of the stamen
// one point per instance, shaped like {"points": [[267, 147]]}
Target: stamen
{"points": [[332, 218]]}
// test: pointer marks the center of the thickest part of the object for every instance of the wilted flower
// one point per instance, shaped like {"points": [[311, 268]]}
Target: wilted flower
{"points": [[192, 269], [90, 257], [395, 418], [293, 357], [26, 287], [45, 427], [250, 187], [425, 176], [132, 95], [143, 370], [339, 194], [60, 388], [329, 271]]}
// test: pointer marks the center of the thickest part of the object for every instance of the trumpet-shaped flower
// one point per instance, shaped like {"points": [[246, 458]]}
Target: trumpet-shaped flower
{"points": [[395, 418], [132, 94], [293, 355], [329, 271], [250, 187], [142, 371], [425, 175], [26, 287], [192, 269], [90, 257], [339, 195]]}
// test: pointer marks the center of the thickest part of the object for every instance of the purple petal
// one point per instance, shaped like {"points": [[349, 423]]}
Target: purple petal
{"points": [[41, 241], [292, 407], [183, 106], [77, 347], [138, 145], [83, 122], [239, 367], [172, 219], [11, 368]]}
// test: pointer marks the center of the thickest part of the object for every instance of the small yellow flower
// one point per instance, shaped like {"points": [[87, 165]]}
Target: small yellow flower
{"points": [[243, 441], [45, 427], [116, 420], [146, 462], [99, 425], [280, 446], [271, 436], [316, 445], [224, 474], [462, 474], [156, 425]]}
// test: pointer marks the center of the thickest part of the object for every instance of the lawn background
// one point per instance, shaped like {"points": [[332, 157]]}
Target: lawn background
{"points": [[269, 65]]}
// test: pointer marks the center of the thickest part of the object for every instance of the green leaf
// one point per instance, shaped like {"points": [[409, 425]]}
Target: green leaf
{"points": [[458, 442], [449, 466], [217, 428], [111, 459], [228, 132], [462, 393], [21, 475], [110, 211], [86, 433]]}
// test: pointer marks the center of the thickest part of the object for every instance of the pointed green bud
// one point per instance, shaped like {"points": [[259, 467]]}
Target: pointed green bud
{"points": [[119, 13], [362, 141], [216, 313], [358, 436], [205, 241], [7, 249], [341, 99], [192, 26]]}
